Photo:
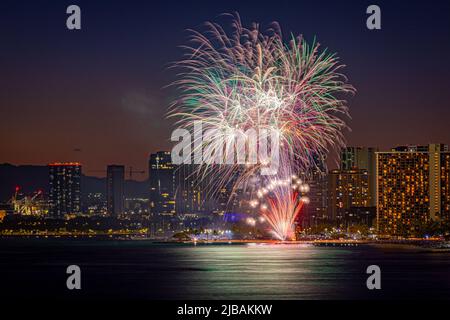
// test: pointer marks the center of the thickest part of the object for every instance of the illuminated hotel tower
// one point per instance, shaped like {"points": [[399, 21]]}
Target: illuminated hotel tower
{"points": [[65, 194], [362, 158], [412, 188], [348, 189]]}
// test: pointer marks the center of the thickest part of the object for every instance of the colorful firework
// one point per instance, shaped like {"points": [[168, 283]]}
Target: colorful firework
{"points": [[246, 81]]}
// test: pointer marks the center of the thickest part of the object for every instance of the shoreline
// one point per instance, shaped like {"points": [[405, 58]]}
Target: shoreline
{"points": [[425, 244]]}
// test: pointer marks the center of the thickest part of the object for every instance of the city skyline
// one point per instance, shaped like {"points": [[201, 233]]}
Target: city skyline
{"points": [[410, 195], [210, 158]]}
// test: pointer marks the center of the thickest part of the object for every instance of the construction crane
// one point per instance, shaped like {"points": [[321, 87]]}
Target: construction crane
{"points": [[28, 205]]}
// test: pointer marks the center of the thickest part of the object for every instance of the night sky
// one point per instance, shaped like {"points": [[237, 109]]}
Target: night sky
{"points": [[97, 95]]}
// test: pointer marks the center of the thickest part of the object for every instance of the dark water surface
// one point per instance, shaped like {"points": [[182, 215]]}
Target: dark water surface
{"points": [[144, 270]]}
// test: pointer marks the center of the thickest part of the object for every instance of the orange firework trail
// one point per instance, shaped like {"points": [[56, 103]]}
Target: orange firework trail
{"points": [[280, 202], [281, 215]]}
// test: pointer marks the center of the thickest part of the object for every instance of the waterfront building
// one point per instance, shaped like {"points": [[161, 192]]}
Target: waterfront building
{"points": [[412, 189], [348, 189], [362, 158], [162, 183], [115, 180]]}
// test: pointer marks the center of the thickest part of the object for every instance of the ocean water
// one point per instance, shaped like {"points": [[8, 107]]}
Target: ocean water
{"points": [[110, 269]]}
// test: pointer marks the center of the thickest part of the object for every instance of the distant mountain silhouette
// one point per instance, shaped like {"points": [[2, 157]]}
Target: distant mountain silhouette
{"points": [[31, 178]]}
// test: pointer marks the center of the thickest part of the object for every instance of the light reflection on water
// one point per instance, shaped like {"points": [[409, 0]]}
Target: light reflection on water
{"points": [[140, 269], [266, 272], [301, 272]]}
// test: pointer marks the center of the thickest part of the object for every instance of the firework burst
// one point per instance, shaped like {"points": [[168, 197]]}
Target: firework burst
{"points": [[280, 203], [245, 79]]}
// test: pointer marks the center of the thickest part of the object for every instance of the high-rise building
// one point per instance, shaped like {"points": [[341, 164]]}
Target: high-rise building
{"points": [[196, 193], [65, 189], [412, 188], [317, 206], [315, 212], [348, 189], [162, 183], [445, 186], [115, 180], [362, 158]]}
